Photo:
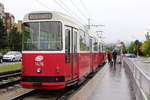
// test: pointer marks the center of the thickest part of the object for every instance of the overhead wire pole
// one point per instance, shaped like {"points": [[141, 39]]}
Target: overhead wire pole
{"points": [[89, 23], [93, 25], [87, 12], [89, 19]]}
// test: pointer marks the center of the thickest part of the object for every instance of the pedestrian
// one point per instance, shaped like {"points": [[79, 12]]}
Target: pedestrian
{"points": [[109, 57], [114, 56]]}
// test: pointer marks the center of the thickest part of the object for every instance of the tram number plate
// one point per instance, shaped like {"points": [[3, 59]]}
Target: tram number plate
{"points": [[37, 83]]}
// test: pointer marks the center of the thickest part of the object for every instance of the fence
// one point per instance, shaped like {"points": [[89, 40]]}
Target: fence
{"points": [[139, 80]]}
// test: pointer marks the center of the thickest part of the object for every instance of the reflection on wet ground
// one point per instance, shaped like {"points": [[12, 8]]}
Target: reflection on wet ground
{"points": [[113, 86]]}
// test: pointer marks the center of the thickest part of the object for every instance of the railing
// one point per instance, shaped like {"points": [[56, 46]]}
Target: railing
{"points": [[142, 80]]}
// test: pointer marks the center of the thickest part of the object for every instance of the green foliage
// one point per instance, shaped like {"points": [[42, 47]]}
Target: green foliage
{"points": [[131, 48], [145, 48], [4, 50], [109, 48], [134, 47], [124, 47], [3, 35], [15, 42], [147, 36]]}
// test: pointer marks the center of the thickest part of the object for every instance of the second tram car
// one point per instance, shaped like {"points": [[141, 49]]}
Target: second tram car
{"points": [[57, 51]]}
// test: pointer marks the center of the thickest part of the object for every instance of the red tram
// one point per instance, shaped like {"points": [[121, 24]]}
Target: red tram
{"points": [[57, 51]]}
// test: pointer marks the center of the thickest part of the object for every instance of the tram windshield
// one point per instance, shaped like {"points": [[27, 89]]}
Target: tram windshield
{"points": [[42, 36]]}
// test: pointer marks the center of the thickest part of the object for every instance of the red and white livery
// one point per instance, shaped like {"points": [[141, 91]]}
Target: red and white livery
{"points": [[57, 51]]}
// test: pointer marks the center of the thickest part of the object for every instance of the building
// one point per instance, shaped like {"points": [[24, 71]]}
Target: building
{"points": [[9, 21], [1, 10], [19, 26]]}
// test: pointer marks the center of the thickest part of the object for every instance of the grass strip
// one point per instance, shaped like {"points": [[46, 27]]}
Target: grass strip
{"points": [[4, 68]]}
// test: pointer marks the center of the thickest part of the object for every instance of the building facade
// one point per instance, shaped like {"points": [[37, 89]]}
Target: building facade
{"points": [[1, 10], [9, 21], [19, 26]]}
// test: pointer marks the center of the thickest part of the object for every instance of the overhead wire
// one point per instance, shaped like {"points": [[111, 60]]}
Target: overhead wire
{"points": [[79, 10], [85, 8], [67, 11], [42, 4], [71, 10], [62, 5]]}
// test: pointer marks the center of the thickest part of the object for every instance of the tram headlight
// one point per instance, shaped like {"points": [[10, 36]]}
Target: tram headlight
{"points": [[39, 70]]}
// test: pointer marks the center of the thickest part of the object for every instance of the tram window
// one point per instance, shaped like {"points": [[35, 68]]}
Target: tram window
{"points": [[87, 42], [67, 40], [90, 44], [100, 47], [50, 37], [43, 36], [95, 45], [84, 41], [75, 41], [30, 37], [67, 45]]}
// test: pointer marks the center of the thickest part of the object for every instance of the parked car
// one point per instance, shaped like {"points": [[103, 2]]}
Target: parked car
{"points": [[1, 57], [131, 55], [12, 56]]}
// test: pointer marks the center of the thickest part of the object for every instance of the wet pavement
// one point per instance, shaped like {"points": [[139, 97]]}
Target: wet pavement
{"points": [[113, 86]]}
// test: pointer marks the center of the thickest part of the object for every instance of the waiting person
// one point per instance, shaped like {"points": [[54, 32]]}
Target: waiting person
{"points": [[109, 57], [114, 56]]}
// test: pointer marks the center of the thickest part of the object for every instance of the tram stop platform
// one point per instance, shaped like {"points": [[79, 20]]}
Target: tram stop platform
{"points": [[110, 83]]}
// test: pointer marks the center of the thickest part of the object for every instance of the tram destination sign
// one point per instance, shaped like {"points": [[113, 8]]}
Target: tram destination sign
{"points": [[40, 16]]}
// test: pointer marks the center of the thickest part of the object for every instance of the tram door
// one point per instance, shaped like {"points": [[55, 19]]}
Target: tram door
{"points": [[71, 50]]}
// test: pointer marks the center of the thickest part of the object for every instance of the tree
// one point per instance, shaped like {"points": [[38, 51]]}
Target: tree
{"points": [[147, 36], [3, 40], [124, 49], [137, 44], [134, 47], [110, 47], [15, 42], [145, 48], [131, 48]]}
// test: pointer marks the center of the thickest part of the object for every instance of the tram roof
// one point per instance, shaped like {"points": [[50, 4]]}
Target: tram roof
{"points": [[57, 16]]}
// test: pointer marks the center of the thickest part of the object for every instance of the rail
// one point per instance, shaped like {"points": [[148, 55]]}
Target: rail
{"points": [[9, 78], [6, 75], [23, 95], [141, 79]]}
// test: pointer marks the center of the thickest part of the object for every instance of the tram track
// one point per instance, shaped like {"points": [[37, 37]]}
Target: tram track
{"points": [[9, 78], [25, 94], [7, 74], [63, 94]]}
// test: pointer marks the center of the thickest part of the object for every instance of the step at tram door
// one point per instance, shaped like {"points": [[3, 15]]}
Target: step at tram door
{"points": [[71, 50]]}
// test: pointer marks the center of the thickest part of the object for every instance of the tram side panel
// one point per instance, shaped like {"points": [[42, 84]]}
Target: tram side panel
{"points": [[84, 64]]}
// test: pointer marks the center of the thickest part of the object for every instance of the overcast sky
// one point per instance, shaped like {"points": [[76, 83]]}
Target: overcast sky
{"points": [[124, 20]]}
